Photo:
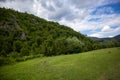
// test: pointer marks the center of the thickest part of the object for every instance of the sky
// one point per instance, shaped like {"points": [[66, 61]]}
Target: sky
{"points": [[95, 18]]}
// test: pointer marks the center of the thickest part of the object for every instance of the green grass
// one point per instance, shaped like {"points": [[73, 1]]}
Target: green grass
{"points": [[94, 65]]}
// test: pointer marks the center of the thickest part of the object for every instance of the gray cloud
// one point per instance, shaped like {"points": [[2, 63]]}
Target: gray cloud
{"points": [[4, 0], [47, 5]]}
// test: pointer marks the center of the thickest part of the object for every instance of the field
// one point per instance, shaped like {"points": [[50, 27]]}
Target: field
{"points": [[101, 64]]}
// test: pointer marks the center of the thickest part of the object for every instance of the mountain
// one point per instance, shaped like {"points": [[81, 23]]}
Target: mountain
{"points": [[23, 34], [117, 37], [99, 39], [108, 42]]}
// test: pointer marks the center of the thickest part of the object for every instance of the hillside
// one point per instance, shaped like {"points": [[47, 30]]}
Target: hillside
{"points": [[108, 42], [101, 64], [23, 34], [99, 39], [117, 38]]}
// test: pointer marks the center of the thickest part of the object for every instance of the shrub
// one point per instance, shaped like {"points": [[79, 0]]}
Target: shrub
{"points": [[6, 60]]}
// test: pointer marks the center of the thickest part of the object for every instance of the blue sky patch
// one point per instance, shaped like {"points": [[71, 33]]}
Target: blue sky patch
{"points": [[90, 31], [94, 19], [114, 26], [113, 8], [86, 32]]}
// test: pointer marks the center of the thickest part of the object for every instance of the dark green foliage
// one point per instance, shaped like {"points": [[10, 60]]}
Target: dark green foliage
{"points": [[23, 34], [24, 50], [17, 45]]}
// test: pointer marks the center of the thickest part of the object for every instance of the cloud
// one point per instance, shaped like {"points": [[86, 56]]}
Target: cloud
{"points": [[106, 32], [106, 28], [20, 5], [80, 15]]}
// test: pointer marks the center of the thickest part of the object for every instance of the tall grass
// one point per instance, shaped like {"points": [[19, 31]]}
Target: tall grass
{"points": [[94, 65]]}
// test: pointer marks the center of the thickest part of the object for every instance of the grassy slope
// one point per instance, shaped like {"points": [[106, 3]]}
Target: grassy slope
{"points": [[95, 65]]}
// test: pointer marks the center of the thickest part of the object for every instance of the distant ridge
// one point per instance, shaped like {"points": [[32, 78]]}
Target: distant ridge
{"points": [[117, 37]]}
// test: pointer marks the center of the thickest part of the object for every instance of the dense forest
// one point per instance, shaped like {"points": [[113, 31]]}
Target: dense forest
{"points": [[24, 36]]}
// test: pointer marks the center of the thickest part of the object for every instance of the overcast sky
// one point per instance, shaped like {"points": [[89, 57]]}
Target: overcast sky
{"points": [[97, 18]]}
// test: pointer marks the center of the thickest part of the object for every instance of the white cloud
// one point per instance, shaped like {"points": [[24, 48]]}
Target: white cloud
{"points": [[110, 33], [106, 28], [96, 35]]}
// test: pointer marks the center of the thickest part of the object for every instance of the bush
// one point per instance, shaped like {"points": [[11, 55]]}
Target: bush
{"points": [[24, 58], [24, 51], [6, 60]]}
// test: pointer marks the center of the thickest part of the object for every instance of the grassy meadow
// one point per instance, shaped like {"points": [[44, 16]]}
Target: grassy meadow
{"points": [[101, 64]]}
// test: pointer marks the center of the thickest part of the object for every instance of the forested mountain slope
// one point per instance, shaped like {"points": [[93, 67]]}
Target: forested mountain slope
{"points": [[27, 34]]}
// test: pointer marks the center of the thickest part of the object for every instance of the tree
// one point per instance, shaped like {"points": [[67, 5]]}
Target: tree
{"points": [[17, 45], [24, 50]]}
